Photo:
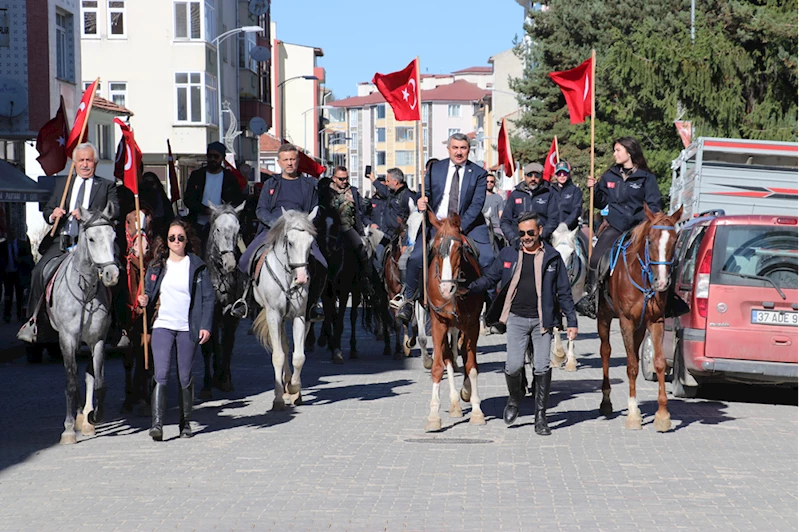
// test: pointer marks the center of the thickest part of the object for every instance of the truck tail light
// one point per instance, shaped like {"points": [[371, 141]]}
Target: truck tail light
{"points": [[702, 290]]}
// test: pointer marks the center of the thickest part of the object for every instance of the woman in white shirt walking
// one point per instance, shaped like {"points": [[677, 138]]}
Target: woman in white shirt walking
{"points": [[180, 297]]}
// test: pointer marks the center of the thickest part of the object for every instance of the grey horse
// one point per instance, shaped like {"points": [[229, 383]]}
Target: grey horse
{"points": [[281, 288], [81, 311], [221, 257]]}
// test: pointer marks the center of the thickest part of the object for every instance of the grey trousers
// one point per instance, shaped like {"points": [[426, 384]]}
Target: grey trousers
{"points": [[520, 331]]}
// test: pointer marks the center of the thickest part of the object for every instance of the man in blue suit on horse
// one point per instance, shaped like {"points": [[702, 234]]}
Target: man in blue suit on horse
{"points": [[451, 185]]}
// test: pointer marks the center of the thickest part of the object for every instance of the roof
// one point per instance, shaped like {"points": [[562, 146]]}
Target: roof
{"points": [[15, 186], [458, 91], [111, 107], [476, 70], [269, 143]]}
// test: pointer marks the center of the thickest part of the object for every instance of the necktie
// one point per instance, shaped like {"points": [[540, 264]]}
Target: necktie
{"points": [[73, 223], [454, 193]]}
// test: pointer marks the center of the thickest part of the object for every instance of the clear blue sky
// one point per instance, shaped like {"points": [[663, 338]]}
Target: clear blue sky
{"points": [[361, 37]]}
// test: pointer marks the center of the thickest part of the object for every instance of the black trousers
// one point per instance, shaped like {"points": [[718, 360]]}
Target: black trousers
{"points": [[37, 276], [603, 243], [13, 288]]}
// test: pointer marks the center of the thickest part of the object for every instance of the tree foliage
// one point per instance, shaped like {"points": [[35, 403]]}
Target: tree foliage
{"points": [[737, 79]]}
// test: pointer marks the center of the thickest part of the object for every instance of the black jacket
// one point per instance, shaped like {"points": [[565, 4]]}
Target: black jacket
{"points": [[201, 308], [541, 201], [268, 213], [570, 200], [195, 186], [625, 199], [375, 210], [396, 206], [556, 294]]}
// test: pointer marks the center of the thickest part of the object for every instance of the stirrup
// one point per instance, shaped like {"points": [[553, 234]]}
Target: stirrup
{"points": [[239, 309], [397, 301]]}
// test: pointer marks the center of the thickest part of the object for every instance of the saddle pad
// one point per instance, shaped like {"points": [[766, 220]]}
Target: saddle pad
{"points": [[49, 272], [257, 262]]}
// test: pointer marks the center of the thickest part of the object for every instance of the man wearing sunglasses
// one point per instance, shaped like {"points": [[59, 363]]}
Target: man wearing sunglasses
{"points": [[495, 203], [531, 195], [534, 292]]}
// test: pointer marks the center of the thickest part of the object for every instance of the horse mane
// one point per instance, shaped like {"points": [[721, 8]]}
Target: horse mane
{"points": [[289, 220], [450, 226], [638, 234], [225, 208]]}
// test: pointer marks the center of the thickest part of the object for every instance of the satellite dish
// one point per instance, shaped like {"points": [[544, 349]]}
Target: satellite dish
{"points": [[13, 98], [260, 54], [258, 7], [257, 125]]}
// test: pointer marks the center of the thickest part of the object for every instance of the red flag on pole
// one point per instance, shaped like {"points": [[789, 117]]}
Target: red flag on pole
{"points": [[174, 187], [119, 160], [685, 130], [74, 135], [401, 91], [242, 181], [132, 158], [503, 150], [552, 160], [51, 142], [307, 165], [576, 87]]}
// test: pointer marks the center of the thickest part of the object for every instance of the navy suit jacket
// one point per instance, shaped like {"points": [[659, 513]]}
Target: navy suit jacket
{"points": [[472, 192]]}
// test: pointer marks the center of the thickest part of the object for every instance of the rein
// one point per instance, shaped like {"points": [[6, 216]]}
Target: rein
{"points": [[446, 241], [287, 268]]}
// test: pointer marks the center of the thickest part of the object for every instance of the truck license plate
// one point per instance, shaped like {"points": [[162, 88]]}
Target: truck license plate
{"points": [[774, 317]]}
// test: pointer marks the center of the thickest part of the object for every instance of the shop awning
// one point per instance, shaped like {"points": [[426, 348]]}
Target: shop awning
{"points": [[16, 187]]}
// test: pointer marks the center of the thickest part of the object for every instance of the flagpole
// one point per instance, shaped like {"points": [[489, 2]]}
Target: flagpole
{"points": [[422, 172], [141, 275], [557, 149], [591, 190], [72, 166]]}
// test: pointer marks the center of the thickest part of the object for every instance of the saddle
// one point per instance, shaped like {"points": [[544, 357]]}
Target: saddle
{"points": [[256, 263]]}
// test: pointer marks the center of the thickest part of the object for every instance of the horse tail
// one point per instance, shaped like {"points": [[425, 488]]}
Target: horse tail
{"points": [[260, 327]]}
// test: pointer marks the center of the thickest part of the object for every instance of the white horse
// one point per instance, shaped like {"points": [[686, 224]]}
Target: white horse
{"points": [[281, 288], [567, 244], [420, 314]]}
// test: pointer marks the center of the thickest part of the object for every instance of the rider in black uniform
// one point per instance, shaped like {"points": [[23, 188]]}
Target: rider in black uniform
{"points": [[531, 195]]}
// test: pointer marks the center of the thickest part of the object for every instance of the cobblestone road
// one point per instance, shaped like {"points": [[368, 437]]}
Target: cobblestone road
{"points": [[355, 456]]}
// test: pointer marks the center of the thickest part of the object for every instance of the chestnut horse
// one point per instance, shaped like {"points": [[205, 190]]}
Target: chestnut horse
{"points": [[450, 313], [640, 262]]}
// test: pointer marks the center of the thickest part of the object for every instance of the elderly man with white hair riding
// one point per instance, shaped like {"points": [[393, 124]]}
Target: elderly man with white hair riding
{"points": [[85, 190]]}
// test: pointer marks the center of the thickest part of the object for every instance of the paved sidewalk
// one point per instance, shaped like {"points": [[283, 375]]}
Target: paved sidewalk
{"points": [[355, 455]]}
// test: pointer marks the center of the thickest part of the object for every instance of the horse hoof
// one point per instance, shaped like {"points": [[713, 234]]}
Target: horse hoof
{"points": [[477, 418], [433, 425], [337, 358], [466, 395], [398, 355], [606, 408], [87, 429], [206, 394], [427, 360], [555, 362], [68, 438], [298, 400], [278, 406], [353, 354], [293, 389], [571, 365], [663, 424], [455, 411], [633, 423]]}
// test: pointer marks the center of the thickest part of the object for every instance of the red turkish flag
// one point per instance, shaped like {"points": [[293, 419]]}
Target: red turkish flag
{"points": [[242, 181], [401, 91], [552, 160], [503, 150], [576, 87], [132, 159], [80, 117], [174, 187], [685, 130], [119, 160], [307, 165], [51, 142]]}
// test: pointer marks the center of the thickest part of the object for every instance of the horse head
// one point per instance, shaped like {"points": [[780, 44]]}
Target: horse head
{"points": [[661, 237], [97, 236], [224, 235], [447, 247], [565, 241], [297, 232]]}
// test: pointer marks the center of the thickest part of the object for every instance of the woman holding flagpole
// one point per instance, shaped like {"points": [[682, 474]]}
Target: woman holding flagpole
{"points": [[623, 189]]}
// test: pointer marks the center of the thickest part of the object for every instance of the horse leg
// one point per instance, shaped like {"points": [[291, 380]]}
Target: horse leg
{"points": [[421, 320], [278, 356], [356, 301], [229, 326], [68, 349], [131, 390], [454, 399], [558, 354], [662, 416], [86, 427], [436, 373], [338, 329], [294, 386], [571, 360], [632, 340], [603, 329], [470, 369], [399, 331]]}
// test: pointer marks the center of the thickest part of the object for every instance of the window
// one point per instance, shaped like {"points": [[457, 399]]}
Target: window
{"points": [[89, 15], [381, 158], [188, 91], [64, 47], [354, 139], [353, 118], [246, 44], [424, 137], [404, 158], [336, 115], [404, 134], [381, 111], [454, 109], [118, 93], [743, 254], [425, 112], [353, 164], [211, 100], [381, 134], [187, 20], [689, 262], [116, 18], [104, 140], [210, 20], [451, 131], [97, 91]]}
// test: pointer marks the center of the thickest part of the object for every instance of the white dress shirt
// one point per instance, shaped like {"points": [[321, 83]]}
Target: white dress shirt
{"points": [[443, 207], [87, 192]]}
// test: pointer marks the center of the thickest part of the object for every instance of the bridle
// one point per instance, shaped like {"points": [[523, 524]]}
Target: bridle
{"points": [[441, 251], [288, 268], [99, 219]]}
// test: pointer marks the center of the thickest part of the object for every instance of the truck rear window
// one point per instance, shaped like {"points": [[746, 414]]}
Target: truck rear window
{"points": [[744, 255]]}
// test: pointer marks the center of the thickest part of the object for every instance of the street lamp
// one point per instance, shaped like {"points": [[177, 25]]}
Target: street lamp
{"points": [[283, 102], [216, 42], [305, 122]]}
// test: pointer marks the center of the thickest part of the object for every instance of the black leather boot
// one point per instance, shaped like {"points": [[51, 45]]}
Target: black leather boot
{"points": [[542, 384], [186, 405], [587, 305], [158, 403], [515, 396]]}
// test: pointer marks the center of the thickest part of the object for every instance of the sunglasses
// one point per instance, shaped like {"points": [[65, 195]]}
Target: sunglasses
{"points": [[531, 174], [490, 182], [179, 238], [529, 232]]}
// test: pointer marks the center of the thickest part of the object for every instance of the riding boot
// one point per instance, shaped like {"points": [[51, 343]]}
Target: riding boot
{"points": [[587, 305], [542, 383], [186, 405], [405, 312], [158, 403], [515, 396], [314, 312]]}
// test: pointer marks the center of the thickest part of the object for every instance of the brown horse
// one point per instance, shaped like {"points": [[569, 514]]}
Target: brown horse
{"points": [[637, 289], [450, 313], [393, 286]]}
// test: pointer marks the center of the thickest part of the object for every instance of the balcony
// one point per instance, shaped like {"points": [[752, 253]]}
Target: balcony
{"points": [[250, 108]]}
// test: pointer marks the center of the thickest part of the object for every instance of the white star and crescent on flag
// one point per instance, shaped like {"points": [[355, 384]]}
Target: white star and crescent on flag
{"points": [[407, 94]]}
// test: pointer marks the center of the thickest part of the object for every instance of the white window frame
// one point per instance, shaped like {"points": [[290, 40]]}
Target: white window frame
{"points": [[425, 112], [208, 17], [352, 118], [64, 36], [83, 12], [188, 86], [112, 91], [405, 153], [377, 134], [353, 169], [98, 91], [454, 109], [451, 131], [211, 99], [186, 5], [409, 131], [113, 10], [104, 142]]}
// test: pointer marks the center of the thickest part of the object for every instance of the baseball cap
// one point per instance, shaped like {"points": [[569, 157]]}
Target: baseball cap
{"points": [[533, 167], [563, 166]]}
